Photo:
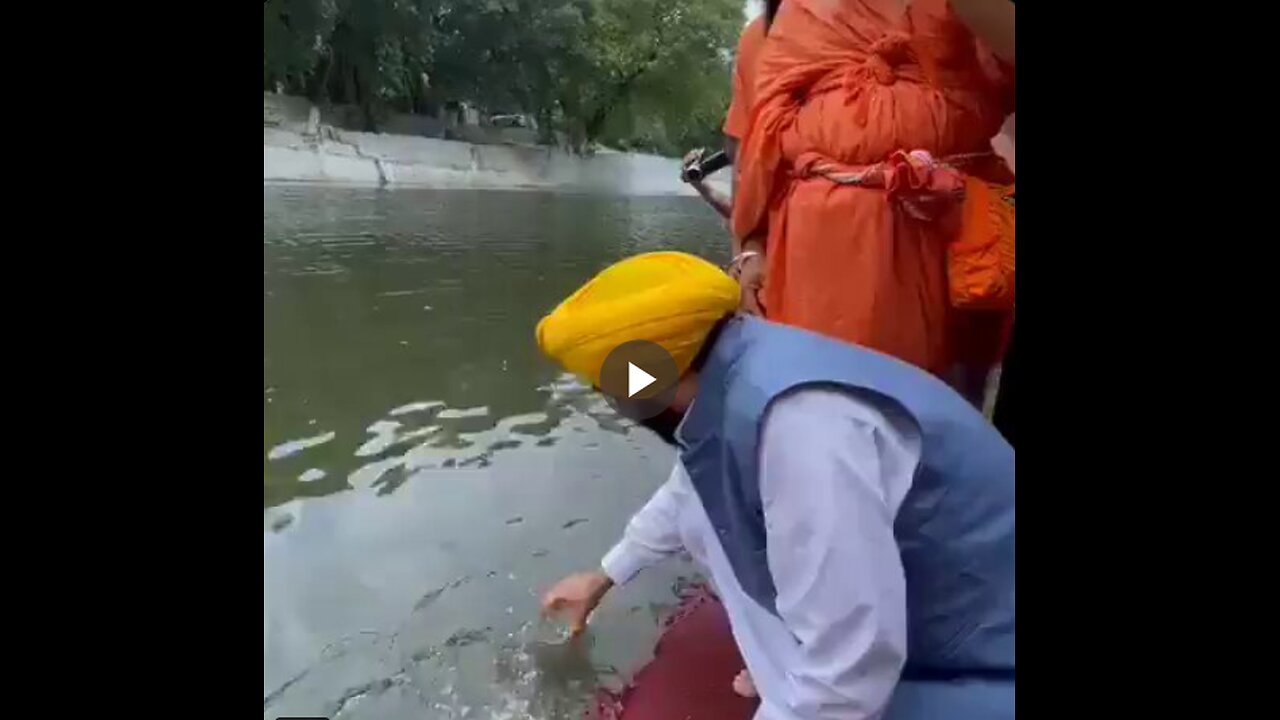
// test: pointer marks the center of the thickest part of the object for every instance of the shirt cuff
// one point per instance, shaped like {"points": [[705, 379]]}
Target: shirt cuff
{"points": [[623, 561]]}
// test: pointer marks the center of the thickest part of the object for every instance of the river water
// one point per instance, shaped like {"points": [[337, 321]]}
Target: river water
{"points": [[426, 473]]}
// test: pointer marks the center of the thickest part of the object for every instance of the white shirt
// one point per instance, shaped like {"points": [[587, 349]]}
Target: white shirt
{"points": [[834, 469]]}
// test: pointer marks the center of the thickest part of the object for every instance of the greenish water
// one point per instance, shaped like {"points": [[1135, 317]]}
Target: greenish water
{"points": [[426, 473]]}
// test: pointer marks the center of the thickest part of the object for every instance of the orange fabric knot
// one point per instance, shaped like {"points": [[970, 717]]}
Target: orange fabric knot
{"points": [[883, 58], [887, 53]]}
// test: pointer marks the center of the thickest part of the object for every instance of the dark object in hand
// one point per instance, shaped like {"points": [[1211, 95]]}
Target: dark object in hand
{"points": [[700, 168]]}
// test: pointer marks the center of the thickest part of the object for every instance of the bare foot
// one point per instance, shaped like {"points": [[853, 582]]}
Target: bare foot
{"points": [[743, 686]]}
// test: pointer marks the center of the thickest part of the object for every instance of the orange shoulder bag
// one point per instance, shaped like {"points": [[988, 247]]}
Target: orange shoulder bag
{"points": [[980, 266]]}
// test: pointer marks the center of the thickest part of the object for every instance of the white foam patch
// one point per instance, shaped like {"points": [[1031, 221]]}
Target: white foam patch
{"points": [[293, 447], [462, 413], [312, 475], [384, 436], [414, 407]]}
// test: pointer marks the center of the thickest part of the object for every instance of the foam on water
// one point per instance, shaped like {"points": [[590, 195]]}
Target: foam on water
{"points": [[293, 447], [436, 436]]}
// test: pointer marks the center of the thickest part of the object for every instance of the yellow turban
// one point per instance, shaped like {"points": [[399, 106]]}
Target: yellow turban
{"points": [[669, 298]]}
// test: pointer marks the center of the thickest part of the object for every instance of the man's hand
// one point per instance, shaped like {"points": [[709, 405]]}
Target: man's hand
{"points": [[575, 597], [720, 203], [691, 158]]}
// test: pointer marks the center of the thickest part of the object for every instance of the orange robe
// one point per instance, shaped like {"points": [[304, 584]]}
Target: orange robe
{"points": [[843, 84], [738, 119]]}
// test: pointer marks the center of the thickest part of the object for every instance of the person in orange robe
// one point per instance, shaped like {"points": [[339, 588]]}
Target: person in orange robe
{"points": [[843, 85], [747, 267], [738, 117]]}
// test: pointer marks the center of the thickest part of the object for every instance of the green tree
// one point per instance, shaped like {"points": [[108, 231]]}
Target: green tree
{"points": [[645, 74], [657, 71], [371, 53], [294, 35]]}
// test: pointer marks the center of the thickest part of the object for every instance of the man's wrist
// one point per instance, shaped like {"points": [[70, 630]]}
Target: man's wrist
{"points": [[752, 244], [735, 265], [606, 583], [622, 563]]}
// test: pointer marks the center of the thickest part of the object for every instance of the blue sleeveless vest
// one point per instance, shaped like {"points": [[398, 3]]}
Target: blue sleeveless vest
{"points": [[954, 529]]}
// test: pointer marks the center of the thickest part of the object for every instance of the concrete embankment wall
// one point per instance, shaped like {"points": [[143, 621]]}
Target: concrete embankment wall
{"points": [[299, 147], [345, 157]]}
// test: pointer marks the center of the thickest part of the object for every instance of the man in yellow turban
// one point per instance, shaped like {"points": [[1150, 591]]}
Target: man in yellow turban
{"points": [[820, 485], [671, 299]]}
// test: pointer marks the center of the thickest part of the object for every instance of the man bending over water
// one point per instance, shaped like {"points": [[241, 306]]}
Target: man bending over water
{"points": [[855, 514]]}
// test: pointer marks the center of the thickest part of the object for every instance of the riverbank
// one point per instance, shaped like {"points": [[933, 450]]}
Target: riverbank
{"points": [[346, 157], [306, 143]]}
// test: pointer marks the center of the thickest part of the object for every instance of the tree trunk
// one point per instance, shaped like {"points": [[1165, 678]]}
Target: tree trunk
{"points": [[596, 122]]}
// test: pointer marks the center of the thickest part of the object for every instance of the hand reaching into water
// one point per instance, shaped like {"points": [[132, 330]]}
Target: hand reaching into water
{"points": [[575, 597]]}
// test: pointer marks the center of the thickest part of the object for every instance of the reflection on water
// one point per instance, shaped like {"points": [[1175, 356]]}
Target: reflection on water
{"points": [[397, 327], [426, 472]]}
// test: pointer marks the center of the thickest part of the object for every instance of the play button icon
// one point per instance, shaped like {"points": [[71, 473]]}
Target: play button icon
{"points": [[639, 379]]}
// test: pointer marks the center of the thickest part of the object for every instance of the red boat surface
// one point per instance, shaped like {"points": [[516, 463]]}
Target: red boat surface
{"points": [[692, 671]]}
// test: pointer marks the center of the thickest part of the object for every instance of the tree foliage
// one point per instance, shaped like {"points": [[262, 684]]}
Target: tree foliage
{"points": [[643, 74]]}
